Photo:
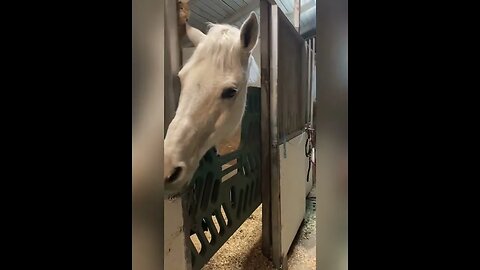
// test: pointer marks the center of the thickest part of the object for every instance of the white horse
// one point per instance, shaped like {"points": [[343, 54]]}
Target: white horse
{"points": [[212, 98]]}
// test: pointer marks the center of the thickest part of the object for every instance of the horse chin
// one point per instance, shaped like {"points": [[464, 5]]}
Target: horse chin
{"points": [[172, 195], [178, 188]]}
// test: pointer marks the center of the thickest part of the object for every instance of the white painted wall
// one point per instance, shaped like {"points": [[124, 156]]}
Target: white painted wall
{"points": [[174, 237], [293, 185]]}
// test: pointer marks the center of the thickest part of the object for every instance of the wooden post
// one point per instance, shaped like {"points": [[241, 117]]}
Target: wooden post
{"points": [[175, 236]]}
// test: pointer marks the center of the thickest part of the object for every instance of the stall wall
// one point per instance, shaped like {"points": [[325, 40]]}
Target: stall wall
{"points": [[293, 184]]}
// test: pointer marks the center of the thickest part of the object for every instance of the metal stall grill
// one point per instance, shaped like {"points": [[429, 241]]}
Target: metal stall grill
{"points": [[310, 47], [225, 195]]}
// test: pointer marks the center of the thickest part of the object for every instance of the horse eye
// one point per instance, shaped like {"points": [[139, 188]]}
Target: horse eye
{"points": [[229, 93]]}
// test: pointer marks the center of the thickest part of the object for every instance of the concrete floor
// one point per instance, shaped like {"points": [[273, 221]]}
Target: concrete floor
{"points": [[243, 250]]}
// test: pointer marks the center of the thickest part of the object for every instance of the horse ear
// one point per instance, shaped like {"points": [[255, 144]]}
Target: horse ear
{"points": [[195, 35], [249, 32]]}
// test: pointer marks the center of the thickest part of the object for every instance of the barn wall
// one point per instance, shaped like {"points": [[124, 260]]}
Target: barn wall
{"points": [[293, 184]]}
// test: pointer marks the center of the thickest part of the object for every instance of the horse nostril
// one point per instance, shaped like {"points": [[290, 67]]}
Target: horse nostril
{"points": [[174, 175]]}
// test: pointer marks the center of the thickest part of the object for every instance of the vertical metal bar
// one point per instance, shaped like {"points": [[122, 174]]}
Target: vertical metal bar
{"points": [[308, 73], [265, 22], [314, 171], [275, 158], [312, 61], [309, 84]]}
